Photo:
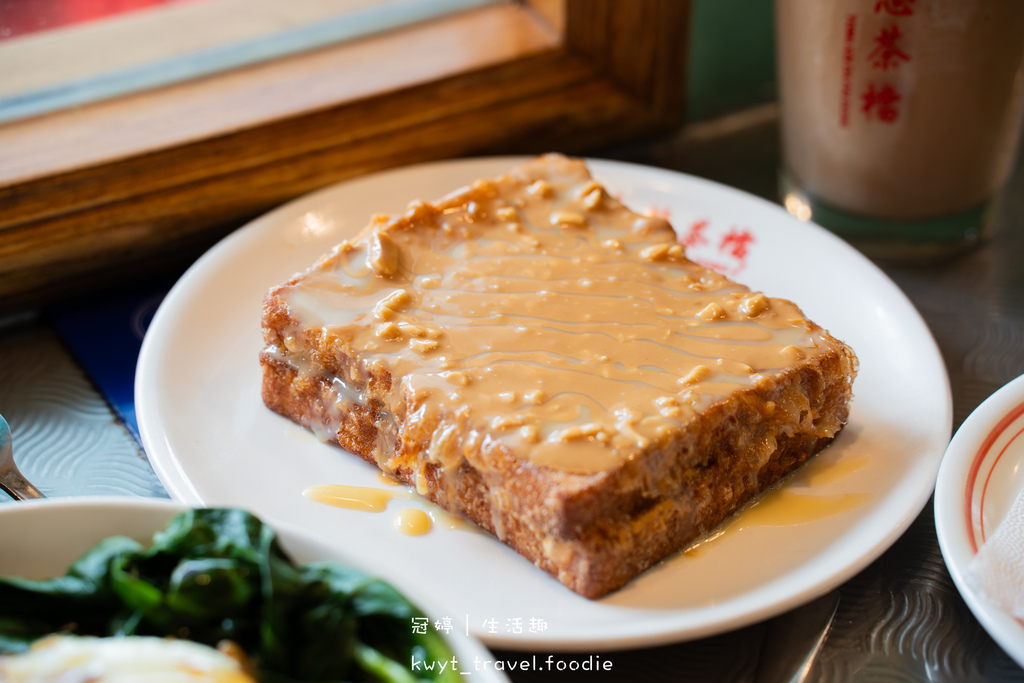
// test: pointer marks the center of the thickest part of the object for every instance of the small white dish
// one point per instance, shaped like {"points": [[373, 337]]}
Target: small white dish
{"points": [[41, 538], [981, 475], [213, 442]]}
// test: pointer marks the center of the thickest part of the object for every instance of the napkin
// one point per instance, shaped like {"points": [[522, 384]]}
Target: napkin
{"points": [[997, 571]]}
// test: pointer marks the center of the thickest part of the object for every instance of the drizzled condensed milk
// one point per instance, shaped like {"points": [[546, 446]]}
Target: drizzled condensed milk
{"points": [[540, 315], [531, 354]]}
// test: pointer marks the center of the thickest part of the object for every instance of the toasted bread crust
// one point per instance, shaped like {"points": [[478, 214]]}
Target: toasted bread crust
{"points": [[609, 527], [593, 531]]}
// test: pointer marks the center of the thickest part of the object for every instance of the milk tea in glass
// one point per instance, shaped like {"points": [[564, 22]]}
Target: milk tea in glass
{"points": [[900, 118]]}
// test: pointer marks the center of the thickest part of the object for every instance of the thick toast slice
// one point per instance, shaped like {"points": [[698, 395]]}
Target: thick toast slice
{"points": [[531, 354]]}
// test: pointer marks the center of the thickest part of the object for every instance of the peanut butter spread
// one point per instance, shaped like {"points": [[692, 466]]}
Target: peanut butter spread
{"points": [[536, 311]]}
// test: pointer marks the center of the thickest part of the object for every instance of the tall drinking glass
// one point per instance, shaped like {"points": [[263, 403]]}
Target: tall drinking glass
{"points": [[900, 118]]}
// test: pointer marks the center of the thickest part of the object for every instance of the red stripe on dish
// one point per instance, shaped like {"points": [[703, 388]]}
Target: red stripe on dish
{"points": [[972, 473], [984, 489]]}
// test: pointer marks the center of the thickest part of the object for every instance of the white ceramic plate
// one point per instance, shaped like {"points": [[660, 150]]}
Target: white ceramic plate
{"points": [[212, 442], [981, 475], [41, 538]]}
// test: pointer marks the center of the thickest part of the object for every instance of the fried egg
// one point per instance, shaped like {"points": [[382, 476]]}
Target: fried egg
{"points": [[134, 659]]}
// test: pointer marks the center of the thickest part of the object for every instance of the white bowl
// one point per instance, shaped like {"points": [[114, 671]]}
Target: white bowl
{"points": [[981, 474], [40, 538]]}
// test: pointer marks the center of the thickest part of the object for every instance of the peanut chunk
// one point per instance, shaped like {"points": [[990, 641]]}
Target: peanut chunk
{"points": [[458, 378], [485, 188], [662, 252], [647, 225], [628, 416], [388, 332], [576, 432], [423, 346], [712, 312], [382, 257], [754, 305], [530, 433], [591, 195], [793, 352], [507, 422], [734, 367], [397, 299], [670, 411], [592, 200], [383, 313], [540, 188], [431, 282], [568, 219], [535, 397], [698, 374], [587, 188], [413, 330], [418, 211], [388, 307], [657, 252]]}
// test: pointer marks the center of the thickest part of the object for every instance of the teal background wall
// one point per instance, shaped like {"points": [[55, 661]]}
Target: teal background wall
{"points": [[732, 56]]}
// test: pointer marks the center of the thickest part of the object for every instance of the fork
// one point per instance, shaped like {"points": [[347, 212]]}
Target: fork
{"points": [[11, 480]]}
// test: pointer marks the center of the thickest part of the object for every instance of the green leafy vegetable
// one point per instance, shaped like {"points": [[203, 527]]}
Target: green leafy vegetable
{"points": [[219, 574]]}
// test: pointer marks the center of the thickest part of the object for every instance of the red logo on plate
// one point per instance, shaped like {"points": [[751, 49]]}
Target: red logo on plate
{"points": [[722, 249]]}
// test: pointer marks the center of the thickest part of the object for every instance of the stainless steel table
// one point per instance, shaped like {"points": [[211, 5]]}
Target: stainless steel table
{"points": [[901, 619]]}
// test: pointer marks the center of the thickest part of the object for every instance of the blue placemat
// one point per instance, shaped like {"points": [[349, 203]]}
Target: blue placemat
{"points": [[104, 332]]}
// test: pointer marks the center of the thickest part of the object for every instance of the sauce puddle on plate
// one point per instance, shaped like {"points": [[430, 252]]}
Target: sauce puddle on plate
{"points": [[783, 506], [410, 521], [413, 522]]}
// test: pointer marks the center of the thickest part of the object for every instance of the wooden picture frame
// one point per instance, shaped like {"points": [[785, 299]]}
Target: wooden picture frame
{"points": [[147, 181]]}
